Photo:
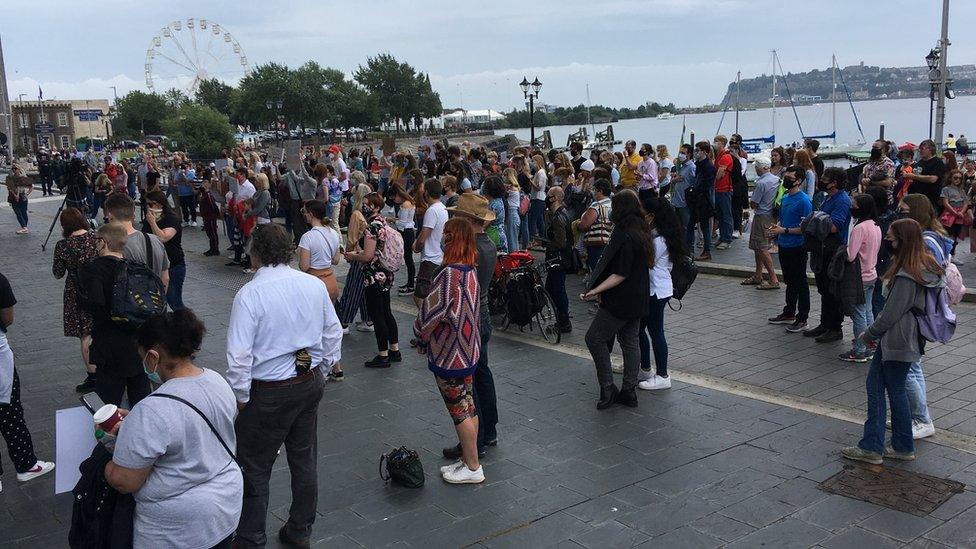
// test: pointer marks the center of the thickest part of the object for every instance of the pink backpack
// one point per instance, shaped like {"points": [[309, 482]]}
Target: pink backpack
{"points": [[390, 253], [954, 286]]}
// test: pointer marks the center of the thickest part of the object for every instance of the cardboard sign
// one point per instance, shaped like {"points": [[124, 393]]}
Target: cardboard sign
{"points": [[220, 164], [506, 143], [293, 153], [389, 145], [74, 441]]}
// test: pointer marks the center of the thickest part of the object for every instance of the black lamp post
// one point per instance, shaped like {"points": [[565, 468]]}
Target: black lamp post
{"points": [[932, 60], [531, 96], [276, 105]]}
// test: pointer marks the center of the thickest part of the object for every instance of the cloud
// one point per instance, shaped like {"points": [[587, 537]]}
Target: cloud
{"points": [[90, 88]]}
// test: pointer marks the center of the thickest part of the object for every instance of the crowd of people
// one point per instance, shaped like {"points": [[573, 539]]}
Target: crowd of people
{"points": [[877, 239]]}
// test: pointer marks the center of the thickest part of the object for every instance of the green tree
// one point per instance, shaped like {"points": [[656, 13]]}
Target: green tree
{"points": [[394, 85], [266, 83], [175, 98], [200, 130], [353, 107], [140, 114], [216, 95]]}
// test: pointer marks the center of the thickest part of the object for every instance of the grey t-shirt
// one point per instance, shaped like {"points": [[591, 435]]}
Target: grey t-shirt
{"points": [[193, 495], [764, 195], [135, 250]]}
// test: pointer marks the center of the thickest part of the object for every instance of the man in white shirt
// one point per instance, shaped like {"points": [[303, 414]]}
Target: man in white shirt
{"points": [[283, 334], [428, 243]]}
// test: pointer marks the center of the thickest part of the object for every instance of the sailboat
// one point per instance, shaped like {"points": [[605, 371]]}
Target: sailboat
{"points": [[760, 146]]}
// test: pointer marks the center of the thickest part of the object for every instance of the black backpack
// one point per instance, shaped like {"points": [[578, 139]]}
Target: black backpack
{"points": [[523, 299], [403, 467], [138, 293], [683, 275]]}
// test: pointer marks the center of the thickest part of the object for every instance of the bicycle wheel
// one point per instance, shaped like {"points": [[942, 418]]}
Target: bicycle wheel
{"points": [[547, 320]]}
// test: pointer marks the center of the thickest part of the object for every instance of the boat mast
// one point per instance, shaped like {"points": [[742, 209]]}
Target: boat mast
{"points": [[588, 122], [833, 94], [738, 75], [773, 99]]}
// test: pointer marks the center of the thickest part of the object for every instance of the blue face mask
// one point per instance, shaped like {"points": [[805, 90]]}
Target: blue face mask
{"points": [[154, 375]]}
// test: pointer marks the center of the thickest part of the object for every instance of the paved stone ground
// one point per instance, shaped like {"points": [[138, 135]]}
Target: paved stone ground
{"points": [[692, 466]]}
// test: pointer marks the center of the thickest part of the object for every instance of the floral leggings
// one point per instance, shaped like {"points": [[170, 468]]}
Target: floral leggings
{"points": [[458, 396]]}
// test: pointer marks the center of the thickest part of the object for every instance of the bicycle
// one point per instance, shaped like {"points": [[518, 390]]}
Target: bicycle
{"points": [[511, 267]]}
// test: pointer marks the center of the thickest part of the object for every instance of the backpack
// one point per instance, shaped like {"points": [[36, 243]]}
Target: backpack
{"points": [[390, 254], [523, 299], [955, 289], [683, 275], [403, 467], [138, 293], [937, 322]]}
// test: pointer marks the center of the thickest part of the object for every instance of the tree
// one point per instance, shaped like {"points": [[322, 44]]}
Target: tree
{"points": [[175, 98], [139, 113], [200, 130], [354, 107], [266, 83], [395, 87], [216, 95]]}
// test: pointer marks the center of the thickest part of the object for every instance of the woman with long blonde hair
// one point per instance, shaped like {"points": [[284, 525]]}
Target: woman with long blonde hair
{"points": [[537, 199], [913, 272]]}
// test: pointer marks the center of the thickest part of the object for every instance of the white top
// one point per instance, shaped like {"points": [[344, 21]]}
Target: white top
{"points": [[514, 199], [322, 243], [660, 273], [279, 312], [405, 217], [434, 218], [246, 190], [665, 164], [539, 183]]}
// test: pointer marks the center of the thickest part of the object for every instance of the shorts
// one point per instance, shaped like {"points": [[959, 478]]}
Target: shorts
{"points": [[458, 395], [758, 240], [425, 275]]}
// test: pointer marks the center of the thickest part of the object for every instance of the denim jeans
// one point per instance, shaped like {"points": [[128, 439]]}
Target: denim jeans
{"points": [[915, 386], [174, 292], [887, 376], [863, 316], [653, 325], [724, 203], [537, 224], [706, 231], [793, 261], [593, 254], [524, 231], [512, 225], [20, 210], [877, 299], [684, 217]]}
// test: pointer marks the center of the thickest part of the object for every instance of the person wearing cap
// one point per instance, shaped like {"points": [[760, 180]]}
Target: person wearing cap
{"points": [[762, 201], [475, 208]]}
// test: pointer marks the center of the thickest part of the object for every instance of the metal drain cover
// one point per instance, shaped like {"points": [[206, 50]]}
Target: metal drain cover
{"points": [[896, 489]]}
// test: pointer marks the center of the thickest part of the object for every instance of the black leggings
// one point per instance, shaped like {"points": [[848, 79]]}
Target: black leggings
{"points": [[408, 238], [188, 207], [384, 325]]}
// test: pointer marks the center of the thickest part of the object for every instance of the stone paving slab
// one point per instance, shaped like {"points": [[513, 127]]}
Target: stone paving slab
{"points": [[693, 466]]}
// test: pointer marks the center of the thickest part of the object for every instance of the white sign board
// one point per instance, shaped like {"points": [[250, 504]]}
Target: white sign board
{"points": [[74, 441]]}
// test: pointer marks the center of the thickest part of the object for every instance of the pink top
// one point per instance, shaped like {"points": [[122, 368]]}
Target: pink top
{"points": [[864, 243]]}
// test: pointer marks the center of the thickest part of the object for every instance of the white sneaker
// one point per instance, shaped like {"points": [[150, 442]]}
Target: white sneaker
{"points": [[193, 223], [451, 466], [364, 327], [656, 382], [463, 475], [39, 468], [345, 330], [644, 375], [922, 430]]}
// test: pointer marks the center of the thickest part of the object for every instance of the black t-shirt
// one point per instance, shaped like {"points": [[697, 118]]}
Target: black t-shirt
{"points": [[7, 298], [627, 300], [577, 162], [174, 246], [525, 184], [933, 166], [113, 347], [818, 167]]}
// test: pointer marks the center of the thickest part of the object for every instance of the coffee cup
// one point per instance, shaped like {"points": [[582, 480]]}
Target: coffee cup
{"points": [[107, 417]]}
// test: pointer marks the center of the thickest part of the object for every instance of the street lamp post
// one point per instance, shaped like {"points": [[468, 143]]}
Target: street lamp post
{"points": [[20, 100], [932, 60], [531, 96], [942, 86], [276, 105]]}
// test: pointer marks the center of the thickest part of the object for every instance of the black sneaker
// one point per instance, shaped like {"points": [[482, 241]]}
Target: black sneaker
{"points": [[829, 335], [378, 361], [782, 319], [797, 327], [405, 290], [396, 356], [815, 332], [86, 386], [233, 264]]}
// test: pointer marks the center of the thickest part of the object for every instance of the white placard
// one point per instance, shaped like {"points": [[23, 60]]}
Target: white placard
{"points": [[74, 441]]}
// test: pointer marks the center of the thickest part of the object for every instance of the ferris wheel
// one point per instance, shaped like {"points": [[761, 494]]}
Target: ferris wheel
{"points": [[189, 51]]}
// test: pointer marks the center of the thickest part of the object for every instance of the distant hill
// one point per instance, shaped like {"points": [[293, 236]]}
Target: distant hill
{"points": [[863, 82]]}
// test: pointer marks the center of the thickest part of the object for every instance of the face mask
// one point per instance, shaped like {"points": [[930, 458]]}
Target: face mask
{"points": [[156, 212], [154, 375], [682, 157], [548, 203], [875, 153]]}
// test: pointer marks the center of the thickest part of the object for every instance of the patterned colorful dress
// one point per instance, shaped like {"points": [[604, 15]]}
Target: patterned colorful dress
{"points": [[374, 273], [69, 254]]}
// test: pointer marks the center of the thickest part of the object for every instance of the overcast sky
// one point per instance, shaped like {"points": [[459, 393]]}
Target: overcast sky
{"points": [[628, 51]]}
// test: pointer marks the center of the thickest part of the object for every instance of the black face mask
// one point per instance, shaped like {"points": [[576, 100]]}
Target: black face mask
{"points": [[875, 153], [902, 215]]}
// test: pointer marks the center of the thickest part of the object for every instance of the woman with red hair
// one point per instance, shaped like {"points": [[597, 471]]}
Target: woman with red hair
{"points": [[447, 331]]}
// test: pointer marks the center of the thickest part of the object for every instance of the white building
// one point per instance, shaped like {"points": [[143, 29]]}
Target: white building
{"points": [[472, 117]]}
